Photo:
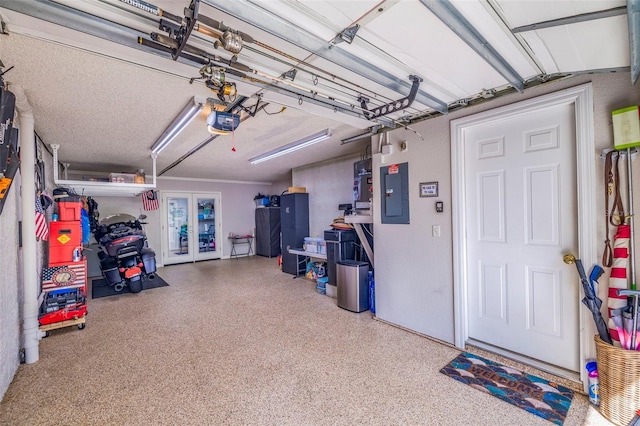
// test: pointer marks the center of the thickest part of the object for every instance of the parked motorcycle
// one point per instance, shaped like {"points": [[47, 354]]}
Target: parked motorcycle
{"points": [[125, 258]]}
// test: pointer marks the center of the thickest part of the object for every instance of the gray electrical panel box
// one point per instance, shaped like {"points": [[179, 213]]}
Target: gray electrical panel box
{"points": [[394, 205]]}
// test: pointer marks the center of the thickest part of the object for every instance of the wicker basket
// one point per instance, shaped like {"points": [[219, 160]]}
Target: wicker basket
{"points": [[619, 373]]}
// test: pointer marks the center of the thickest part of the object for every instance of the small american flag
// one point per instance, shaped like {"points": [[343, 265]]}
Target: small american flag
{"points": [[71, 275], [150, 200], [42, 229]]}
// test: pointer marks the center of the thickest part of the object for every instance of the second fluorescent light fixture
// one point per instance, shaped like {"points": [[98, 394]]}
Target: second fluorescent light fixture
{"points": [[293, 146], [188, 113]]}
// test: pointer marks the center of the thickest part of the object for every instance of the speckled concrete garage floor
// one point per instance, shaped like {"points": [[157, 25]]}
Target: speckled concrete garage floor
{"points": [[237, 342]]}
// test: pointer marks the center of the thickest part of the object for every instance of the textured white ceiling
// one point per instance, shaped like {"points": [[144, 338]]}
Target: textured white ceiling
{"points": [[105, 103]]}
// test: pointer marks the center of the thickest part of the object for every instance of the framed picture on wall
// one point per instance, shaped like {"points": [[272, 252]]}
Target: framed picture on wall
{"points": [[429, 189]]}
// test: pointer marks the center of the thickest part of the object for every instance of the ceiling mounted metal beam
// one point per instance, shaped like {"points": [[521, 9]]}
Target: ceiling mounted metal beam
{"points": [[266, 21], [300, 95], [583, 17], [307, 97], [76, 20], [633, 13], [83, 22], [86, 23], [449, 15]]}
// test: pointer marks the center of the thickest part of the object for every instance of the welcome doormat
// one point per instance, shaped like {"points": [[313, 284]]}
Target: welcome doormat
{"points": [[538, 396], [99, 287]]}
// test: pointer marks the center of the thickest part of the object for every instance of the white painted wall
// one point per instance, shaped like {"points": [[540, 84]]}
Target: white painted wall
{"points": [[9, 289], [413, 270], [329, 184], [11, 283]]}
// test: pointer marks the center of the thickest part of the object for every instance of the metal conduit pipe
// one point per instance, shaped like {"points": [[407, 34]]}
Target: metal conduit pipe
{"points": [[30, 332]]}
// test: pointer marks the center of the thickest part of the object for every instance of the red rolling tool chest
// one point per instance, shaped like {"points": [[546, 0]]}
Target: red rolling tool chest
{"points": [[64, 280]]}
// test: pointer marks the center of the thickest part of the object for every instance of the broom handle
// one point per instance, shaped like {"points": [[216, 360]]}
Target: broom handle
{"points": [[632, 246]]}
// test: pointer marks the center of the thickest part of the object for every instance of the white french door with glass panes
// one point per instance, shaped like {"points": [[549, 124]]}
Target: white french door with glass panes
{"points": [[190, 227]]}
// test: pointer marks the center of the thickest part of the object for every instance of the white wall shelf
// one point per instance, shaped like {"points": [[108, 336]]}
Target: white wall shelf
{"points": [[102, 189], [358, 218]]}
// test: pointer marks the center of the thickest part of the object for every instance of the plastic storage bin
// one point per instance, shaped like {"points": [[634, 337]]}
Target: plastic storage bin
{"points": [[321, 285], [122, 177], [331, 290], [262, 202], [310, 245], [69, 210], [322, 246], [315, 245]]}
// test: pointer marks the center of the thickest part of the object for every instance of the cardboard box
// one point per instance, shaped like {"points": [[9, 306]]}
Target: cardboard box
{"points": [[294, 189]]}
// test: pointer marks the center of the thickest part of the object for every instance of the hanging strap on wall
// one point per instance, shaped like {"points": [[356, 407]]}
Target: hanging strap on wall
{"points": [[616, 215], [610, 184]]}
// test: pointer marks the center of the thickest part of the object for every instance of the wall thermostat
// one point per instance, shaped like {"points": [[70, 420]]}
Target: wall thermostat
{"points": [[439, 206]]}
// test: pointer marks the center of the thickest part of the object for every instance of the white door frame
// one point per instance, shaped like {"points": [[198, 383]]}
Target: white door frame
{"points": [[582, 99]]}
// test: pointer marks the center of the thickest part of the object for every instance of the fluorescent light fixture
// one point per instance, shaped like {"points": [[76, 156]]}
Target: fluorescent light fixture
{"points": [[357, 138], [372, 131], [188, 113], [293, 146]]}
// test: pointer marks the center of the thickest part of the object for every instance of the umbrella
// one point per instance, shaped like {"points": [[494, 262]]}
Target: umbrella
{"points": [[632, 342], [623, 326], [596, 273], [590, 299], [618, 278]]}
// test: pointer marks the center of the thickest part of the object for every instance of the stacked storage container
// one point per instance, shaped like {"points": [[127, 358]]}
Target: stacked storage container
{"points": [[64, 280]]}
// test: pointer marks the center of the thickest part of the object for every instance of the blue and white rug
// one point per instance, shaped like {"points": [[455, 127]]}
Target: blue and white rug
{"points": [[538, 396]]}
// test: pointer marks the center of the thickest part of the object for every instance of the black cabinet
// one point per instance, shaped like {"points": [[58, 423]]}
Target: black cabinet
{"points": [[294, 225], [268, 231], [340, 246]]}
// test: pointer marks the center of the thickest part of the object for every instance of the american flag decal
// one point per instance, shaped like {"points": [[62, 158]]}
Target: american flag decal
{"points": [[71, 276]]}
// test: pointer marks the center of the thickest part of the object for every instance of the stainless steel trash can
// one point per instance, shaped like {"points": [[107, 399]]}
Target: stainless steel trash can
{"points": [[353, 289]]}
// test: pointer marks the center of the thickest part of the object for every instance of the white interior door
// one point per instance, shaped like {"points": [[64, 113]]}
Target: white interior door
{"points": [[190, 227], [521, 200], [206, 208]]}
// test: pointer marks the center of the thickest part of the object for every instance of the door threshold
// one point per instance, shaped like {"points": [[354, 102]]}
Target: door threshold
{"points": [[568, 378]]}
